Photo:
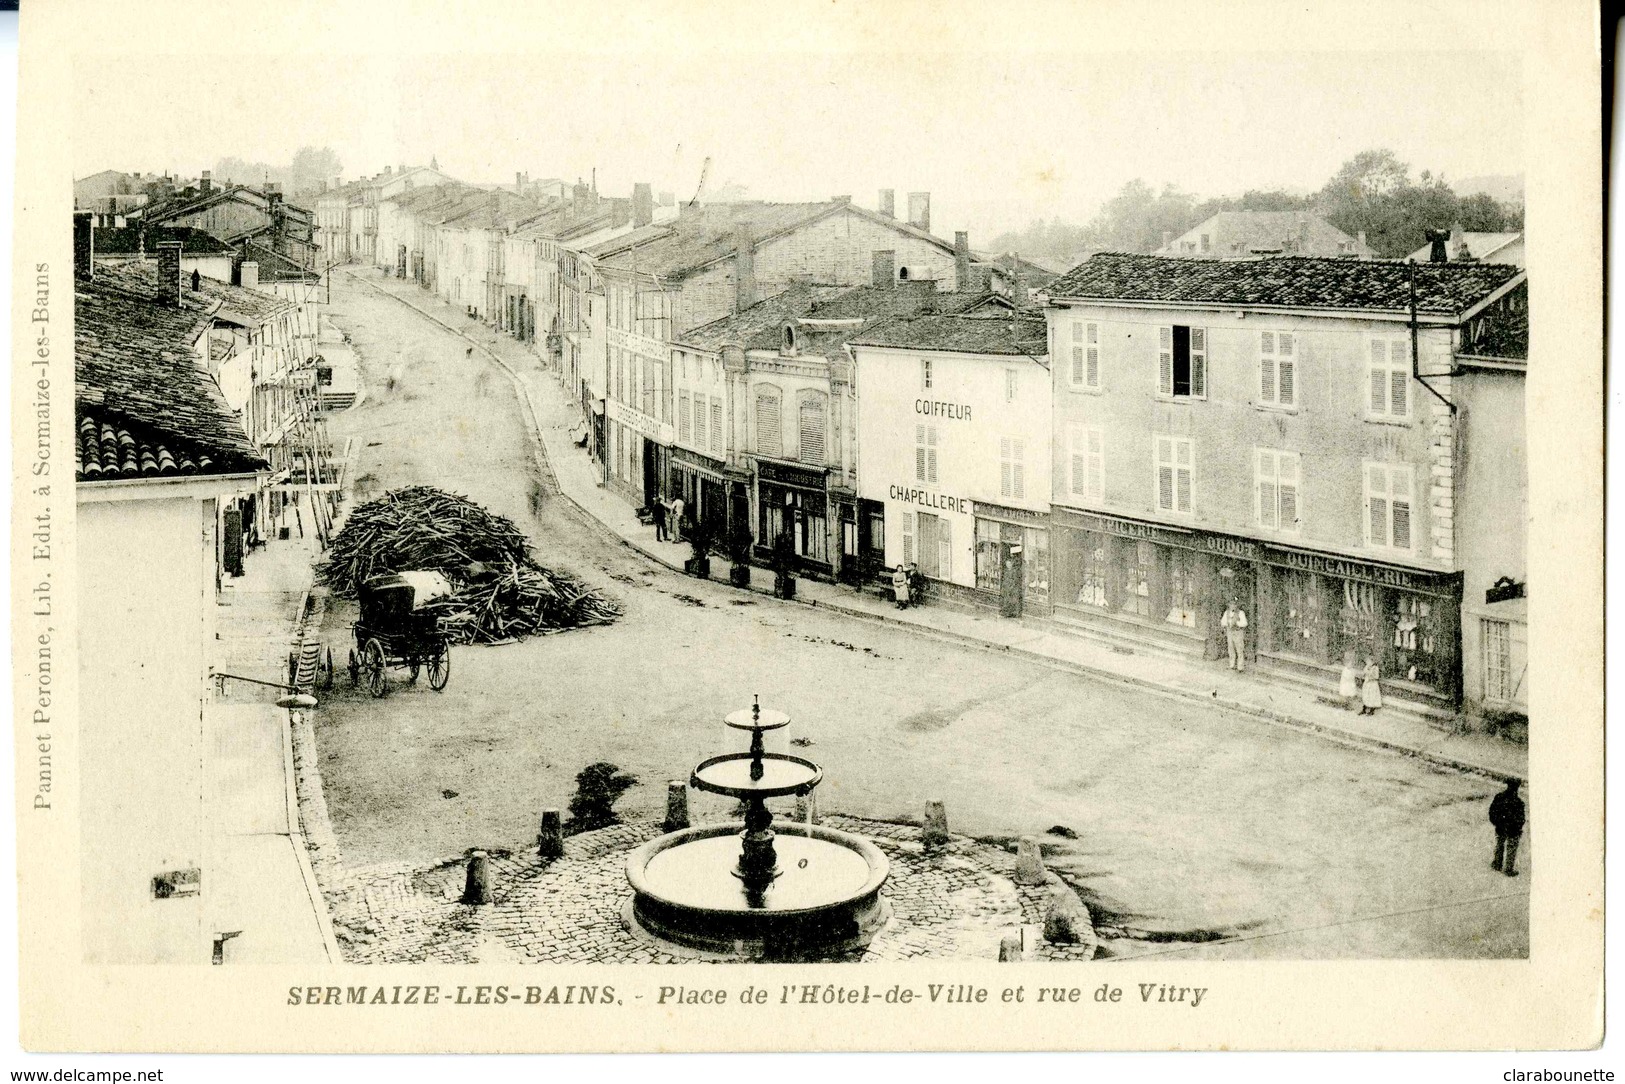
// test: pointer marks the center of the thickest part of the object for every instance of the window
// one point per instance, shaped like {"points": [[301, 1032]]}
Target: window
{"points": [[767, 422], [1388, 506], [1276, 489], [1277, 368], [925, 374], [925, 453], [1085, 371], [1010, 378], [1174, 471], [1182, 362], [1496, 638], [1012, 469], [908, 538], [683, 428], [716, 427], [810, 425], [1390, 378], [699, 421], [1086, 452], [1207, 242]]}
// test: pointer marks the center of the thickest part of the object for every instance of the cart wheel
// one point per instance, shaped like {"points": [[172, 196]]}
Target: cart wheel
{"points": [[355, 669], [412, 669], [327, 669], [440, 668], [372, 661]]}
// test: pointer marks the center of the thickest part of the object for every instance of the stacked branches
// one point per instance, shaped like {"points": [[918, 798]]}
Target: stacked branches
{"points": [[499, 591]]}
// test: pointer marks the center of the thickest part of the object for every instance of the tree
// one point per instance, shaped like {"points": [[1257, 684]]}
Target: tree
{"points": [[311, 167]]}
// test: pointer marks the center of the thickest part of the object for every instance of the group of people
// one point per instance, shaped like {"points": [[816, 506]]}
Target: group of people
{"points": [[668, 520], [1360, 687], [905, 585]]}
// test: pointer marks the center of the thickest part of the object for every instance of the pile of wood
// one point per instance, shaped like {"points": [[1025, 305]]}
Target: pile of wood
{"points": [[499, 592]]}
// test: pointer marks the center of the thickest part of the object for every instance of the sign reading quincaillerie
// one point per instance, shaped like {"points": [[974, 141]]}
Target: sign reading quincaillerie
{"points": [[926, 499]]}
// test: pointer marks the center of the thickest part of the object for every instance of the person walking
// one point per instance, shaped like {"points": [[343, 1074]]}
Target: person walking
{"points": [[1507, 815], [1371, 688], [1348, 683], [674, 525], [660, 519], [1234, 622], [899, 586]]}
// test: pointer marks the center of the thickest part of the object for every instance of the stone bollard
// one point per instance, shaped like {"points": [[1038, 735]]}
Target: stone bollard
{"points": [[1010, 948], [807, 808], [935, 831], [1029, 862], [550, 843], [477, 889], [1066, 919], [676, 805]]}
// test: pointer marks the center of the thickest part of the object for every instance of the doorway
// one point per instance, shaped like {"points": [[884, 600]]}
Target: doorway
{"points": [[1012, 579]]}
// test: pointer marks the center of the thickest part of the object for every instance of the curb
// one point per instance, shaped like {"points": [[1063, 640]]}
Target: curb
{"points": [[1347, 738]]}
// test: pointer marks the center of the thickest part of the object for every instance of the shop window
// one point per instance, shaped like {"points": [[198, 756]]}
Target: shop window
{"points": [[1388, 506], [1035, 563], [1182, 362], [1092, 568], [1390, 375], [1300, 614], [925, 453], [1175, 467], [1357, 621], [1277, 369], [1182, 575], [1012, 469], [1416, 640], [987, 555], [1138, 570], [684, 428], [768, 441], [1276, 489], [1495, 638], [1087, 462], [810, 426]]}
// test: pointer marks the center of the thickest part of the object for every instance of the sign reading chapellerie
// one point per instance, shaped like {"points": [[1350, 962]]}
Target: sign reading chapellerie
{"points": [[926, 499]]}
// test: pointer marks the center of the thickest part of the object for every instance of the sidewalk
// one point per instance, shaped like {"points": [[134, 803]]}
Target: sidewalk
{"points": [[1254, 693], [263, 884]]}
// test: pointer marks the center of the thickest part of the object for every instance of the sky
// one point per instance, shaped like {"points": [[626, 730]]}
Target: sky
{"points": [[997, 140]]}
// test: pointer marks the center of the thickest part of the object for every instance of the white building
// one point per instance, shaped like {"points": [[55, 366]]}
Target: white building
{"points": [[953, 446]]}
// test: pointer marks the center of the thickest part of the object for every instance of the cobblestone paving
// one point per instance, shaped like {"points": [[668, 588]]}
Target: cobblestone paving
{"points": [[954, 902]]}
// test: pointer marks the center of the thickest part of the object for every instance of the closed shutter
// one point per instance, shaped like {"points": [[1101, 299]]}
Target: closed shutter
{"points": [[1092, 376], [1399, 492], [1005, 483], [684, 429], [931, 454], [699, 421], [1399, 381], [1182, 472], [908, 538], [919, 453], [1379, 377], [1266, 366], [945, 548], [1077, 353], [1286, 366], [1198, 363], [1097, 464], [810, 418], [1267, 480], [1376, 480], [1165, 360], [767, 424], [1077, 454], [716, 427], [1288, 477], [1165, 474], [1018, 470]]}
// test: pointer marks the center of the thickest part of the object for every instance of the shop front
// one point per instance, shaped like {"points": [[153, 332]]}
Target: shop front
{"points": [[793, 501], [1306, 611], [708, 493], [1012, 558]]}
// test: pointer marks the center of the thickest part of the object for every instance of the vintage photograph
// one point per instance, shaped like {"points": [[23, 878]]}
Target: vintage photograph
{"points": [[851, 506]]}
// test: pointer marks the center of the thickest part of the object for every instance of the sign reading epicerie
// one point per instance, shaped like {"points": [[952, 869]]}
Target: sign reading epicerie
{"points": [[931, 408], [926, 499]]}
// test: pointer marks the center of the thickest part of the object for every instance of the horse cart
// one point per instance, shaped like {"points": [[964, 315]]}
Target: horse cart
{"points": [[394, 631]]}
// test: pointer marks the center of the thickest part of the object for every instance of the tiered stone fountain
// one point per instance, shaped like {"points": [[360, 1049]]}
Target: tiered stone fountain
{"points": [[744, 890]]}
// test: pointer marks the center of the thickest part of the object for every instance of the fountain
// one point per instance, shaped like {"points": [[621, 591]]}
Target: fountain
{"points": [[744, 890]]}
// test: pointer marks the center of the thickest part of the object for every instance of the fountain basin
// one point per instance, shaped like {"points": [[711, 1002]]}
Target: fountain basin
{"points": [[824, 902], [782, 774]]}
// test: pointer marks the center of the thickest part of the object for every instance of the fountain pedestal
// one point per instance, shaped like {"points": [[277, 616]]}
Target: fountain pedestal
{"points": [[743, 889]]}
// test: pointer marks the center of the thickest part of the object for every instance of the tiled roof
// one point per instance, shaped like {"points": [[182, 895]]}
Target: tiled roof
{"points": [[758, 326], [136, 367], [962, 333], [493, 211], [275, 267], [1234, 235], [706, 233], [1442, 289], [210, 296], [124, 240], [110, 447], [561, 220]]}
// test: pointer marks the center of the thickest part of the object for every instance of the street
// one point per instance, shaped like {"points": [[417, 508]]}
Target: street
{"points": [[1192, 824]]}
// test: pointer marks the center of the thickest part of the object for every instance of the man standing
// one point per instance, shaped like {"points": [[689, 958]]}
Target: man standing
{"points": [[675, 525], [1234, 623], [1506, 814], [660, 519]]}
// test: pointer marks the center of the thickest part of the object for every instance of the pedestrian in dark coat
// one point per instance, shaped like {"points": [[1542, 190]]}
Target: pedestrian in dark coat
{"points": [[1507, 815], [660, 520]]}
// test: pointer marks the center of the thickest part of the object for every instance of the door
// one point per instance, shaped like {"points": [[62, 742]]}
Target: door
{"points": [[927, 548], [651, 476], [1012, 579]]}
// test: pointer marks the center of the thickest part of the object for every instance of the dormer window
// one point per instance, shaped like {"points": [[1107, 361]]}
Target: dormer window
{"points": [[902, 274]]}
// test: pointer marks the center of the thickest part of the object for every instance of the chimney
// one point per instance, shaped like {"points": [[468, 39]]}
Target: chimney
{"points": [[744, 269], [389, 171], [207, 183], [169, 273], [84, 245], [519, 183], [402, 170], [888, 202], [1018, 283], [962, 260], [250, 275], [919, 210], [643, 211], [883, 269]]}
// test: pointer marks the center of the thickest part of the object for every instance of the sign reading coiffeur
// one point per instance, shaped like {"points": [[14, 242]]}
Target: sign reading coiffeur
{"points": [[932, 408]]}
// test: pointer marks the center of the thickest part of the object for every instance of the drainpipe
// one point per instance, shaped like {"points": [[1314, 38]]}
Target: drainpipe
{"points": [[1416, 360]]}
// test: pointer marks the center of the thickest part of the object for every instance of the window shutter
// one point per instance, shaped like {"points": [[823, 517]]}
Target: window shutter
{"points": [[1266, 342], [1005, 472], [767, 423], [1182, 475], [1092, 371], [810, 425], [1165, 475], [1077, 365], [699, 420], [1198, 363], [1079, 462], [1400, 494], [1288, 381], [1379, 377], [1377, 504], [1288, 481], [716, 426], [919, 453], [683, 428], [1018, 483], [1265, 469], [1165, 360], [1400, 384], [1097, 464], [1077, 331], [908, 538], [931, 454], [945, 548], [1266, 379]]}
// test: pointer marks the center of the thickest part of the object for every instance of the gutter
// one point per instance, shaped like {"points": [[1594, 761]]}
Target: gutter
{"points": [[1416, 360]]}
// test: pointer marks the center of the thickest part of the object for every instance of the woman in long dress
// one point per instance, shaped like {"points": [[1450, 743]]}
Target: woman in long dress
{"points": [[1371, 689], [899, 587], [1348, 683]]}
